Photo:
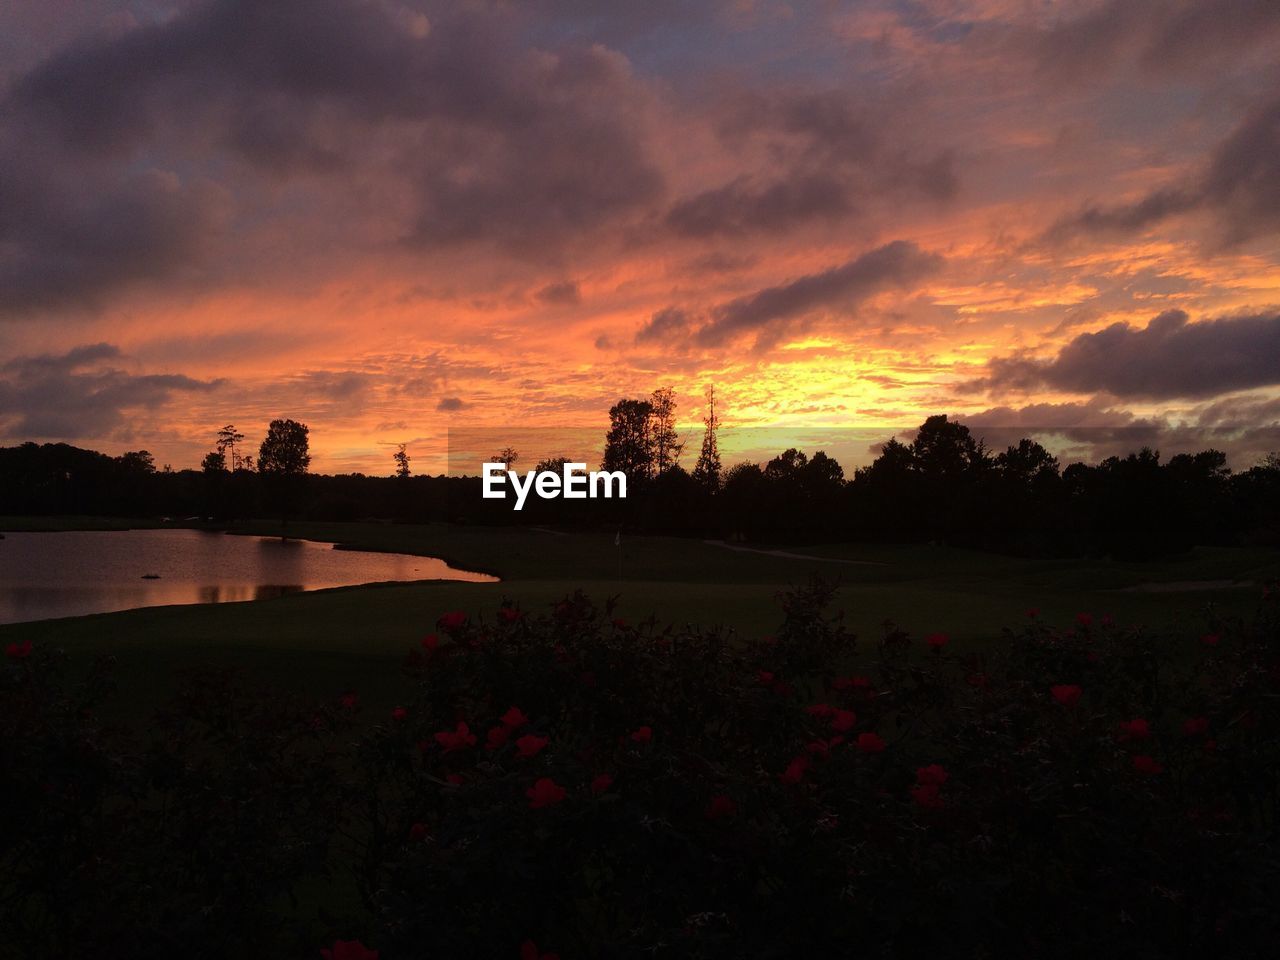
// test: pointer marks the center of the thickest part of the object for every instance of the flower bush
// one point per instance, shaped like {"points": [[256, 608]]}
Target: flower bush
{"points": [[572, 785]]}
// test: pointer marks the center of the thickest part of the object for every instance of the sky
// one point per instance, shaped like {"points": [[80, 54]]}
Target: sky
{"points": [[393, 219]]}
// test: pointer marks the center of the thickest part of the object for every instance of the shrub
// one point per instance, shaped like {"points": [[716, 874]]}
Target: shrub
{"points": [[571, 785]]}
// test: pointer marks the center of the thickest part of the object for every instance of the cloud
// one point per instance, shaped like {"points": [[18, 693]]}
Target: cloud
{"points": [[769, 311], [1245, 428], [130, 155], [742, 207], [665, 325], [1160, 36], [78, 394], [1170, 357], [562, 292], [837, 157], [1237, 187], [451, 404]]}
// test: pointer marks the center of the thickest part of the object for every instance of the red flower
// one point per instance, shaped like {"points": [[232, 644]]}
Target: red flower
{"points": [[530, 746], [1210, 639], [601, 783], [1084, 619], [18, 651], [927, 795], [764, 677], [349, 701], [844, 720], [509, 614], [430, 642], [870, 742], [497, 736], [977, 680], [457, 739], [348, 950], [545, 793], [1144, 764], [1108, 620], [620, 623], [1033, 612], [452, 620], [861, 684], [820, 710], [1137, 729], [721, 806], [643, 735], [514, 718], [795, 770], [529, 951], [1195, 726], [819, 748], [399, 714], [456, 779], [934, 775], [1067, 694], [937, 640], [418, 832]]}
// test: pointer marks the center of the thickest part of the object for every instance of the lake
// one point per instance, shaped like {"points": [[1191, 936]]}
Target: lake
{"points": [[44, 575]]}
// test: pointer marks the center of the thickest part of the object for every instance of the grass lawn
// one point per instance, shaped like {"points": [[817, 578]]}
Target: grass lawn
{"points": [[320, 643]]}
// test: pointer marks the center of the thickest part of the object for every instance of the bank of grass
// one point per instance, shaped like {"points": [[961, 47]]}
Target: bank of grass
{"points": [[318, 644], [76, 522]]}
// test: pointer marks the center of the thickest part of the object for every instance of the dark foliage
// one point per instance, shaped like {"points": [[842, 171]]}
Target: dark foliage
{"points": [[600, 788], [944, 487]]}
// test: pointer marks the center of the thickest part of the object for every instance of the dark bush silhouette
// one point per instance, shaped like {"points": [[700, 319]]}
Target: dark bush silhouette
{"points": [[601, 788]]}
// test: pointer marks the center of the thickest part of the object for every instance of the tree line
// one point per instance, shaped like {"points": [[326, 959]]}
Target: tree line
{"points": [[945, 486]]}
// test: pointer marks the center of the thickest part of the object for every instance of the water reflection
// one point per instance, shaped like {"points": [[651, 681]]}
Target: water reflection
{"points": [[45, 575]]}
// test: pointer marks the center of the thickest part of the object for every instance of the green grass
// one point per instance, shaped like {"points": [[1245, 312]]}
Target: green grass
{"points": [[320, 643]]}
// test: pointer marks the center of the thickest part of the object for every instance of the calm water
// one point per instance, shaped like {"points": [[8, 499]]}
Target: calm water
{"points": [[45, 575]]}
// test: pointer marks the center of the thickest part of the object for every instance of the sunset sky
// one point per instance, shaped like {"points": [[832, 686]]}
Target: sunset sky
{"points": [[389, 218]]}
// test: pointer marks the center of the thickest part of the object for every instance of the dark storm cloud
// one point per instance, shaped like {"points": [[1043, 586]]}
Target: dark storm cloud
{"points": [[1239, 187], [451, 404], [766, 312], [1168, 358], [76, 394], [69, 239], [116, 146]]}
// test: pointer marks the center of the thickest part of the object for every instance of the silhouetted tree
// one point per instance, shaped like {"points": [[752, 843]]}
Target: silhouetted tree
{"points": [[554, 464], [507, 456], [229, 439], [286, 449], [283, 460], [1027, 463], [707, 470], [138, 462], [215, 461], [667, 445], [945, 450], [628, 446], [401, 457]]}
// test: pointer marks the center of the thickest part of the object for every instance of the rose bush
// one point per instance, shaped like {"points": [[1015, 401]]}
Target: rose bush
{"points": [[571, 785]]}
